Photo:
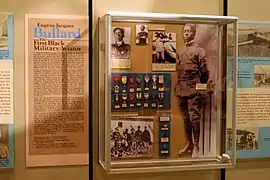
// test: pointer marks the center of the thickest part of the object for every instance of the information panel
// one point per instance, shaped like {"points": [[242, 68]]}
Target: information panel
{"points": [[6, 92], [253, 99], [56, 90]]}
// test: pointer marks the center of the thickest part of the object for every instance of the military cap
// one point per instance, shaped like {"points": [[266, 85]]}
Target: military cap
{"points": [[118, 28]]}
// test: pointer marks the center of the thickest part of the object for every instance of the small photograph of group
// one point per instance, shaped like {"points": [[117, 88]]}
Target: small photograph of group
{"points": [[131, 137], [246, 139]]}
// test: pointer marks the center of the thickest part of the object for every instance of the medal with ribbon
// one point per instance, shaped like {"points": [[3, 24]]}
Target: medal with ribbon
{"points": [[161, 83], [138, 97], [161, 99], [154, 83], [154, 100], [146, 82], [131, 84], [138, 81], [124, 98], [146, 97], [124, 82], [116, 86], [116, 105], [131, 98]]}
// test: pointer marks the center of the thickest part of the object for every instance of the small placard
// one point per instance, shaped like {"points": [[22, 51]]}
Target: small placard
{"points": [[121, 63], [163, 140], [164, 118], [163, 67], [156, 27], [201, 87], [164, 135]]}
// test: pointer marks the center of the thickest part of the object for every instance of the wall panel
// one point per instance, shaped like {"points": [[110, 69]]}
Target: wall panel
{"points": [[20, 8], [250, 11]]}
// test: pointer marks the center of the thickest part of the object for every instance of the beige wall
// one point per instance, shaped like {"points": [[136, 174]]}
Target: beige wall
{"points": [[211, 7], [20, 8], [250, 11]]}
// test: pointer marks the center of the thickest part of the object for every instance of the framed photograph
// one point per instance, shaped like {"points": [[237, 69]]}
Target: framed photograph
{"points": [[163, 51], [261, 76], [253, 39], [141, 34], [120, 47], [4, 32], [131, 137], [247, 139], [6, 146]]}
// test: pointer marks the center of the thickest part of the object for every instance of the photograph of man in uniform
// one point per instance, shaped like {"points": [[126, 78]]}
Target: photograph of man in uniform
{"points": [[142, 34], [121, 43], [191, 69]]}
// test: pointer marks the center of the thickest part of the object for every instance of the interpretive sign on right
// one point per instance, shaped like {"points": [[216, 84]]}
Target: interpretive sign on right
{"points": [[253, 98]]}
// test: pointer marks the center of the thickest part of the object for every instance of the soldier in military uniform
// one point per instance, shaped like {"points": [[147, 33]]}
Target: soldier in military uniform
{"points": [[191, 70], [142, 36], [120, 50]]}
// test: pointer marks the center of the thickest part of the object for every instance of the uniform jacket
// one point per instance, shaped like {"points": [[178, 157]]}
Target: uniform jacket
{"points": [[142, 36], [191, 69], [121, 51]]}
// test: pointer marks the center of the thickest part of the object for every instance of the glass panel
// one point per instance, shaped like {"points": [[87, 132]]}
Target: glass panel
{"points": [[232, 138], [165, 81], [101, 104]]}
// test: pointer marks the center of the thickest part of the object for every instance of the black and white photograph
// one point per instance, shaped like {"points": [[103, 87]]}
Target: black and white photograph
{"points": [[3, 31], [141, 34], [163, 51], [131, 137], [120, 49], [253, 40], [4, 141], [246, 139], [197, 64], [121, 43], [261, 76]]}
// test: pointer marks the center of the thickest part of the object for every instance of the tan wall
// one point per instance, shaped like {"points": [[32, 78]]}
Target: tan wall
{"points": [[250, 11], [211, 7], [20, 8]]}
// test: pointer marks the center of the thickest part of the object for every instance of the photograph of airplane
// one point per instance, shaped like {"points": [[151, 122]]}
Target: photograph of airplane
{"points": [[262, 76]]}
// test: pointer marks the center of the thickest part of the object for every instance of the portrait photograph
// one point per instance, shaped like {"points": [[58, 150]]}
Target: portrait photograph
{"points": [[262, 76], [3, 32], [253, 40], [131, 137], [197, 65], [120, 47], [141, 34], [163, 51], [121, 43], [4, 141]]}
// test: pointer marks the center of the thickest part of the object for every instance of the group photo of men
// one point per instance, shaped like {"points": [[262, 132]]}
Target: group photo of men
{"points": [[131, 139], [245, 140]]}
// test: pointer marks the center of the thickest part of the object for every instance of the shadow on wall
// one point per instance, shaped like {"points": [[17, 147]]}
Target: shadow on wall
{"points": [[159, 6]]}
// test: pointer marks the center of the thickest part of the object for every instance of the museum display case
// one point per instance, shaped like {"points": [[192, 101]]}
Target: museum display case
{"points": [[163, 85]]}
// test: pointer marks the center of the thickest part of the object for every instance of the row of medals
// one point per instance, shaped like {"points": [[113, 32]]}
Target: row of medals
{"points": [[138, 93]]}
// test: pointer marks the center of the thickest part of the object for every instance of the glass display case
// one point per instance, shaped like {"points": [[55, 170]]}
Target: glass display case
{"points": [[163, 92]]}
